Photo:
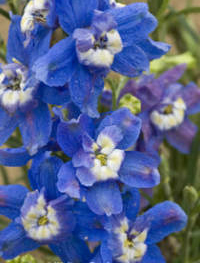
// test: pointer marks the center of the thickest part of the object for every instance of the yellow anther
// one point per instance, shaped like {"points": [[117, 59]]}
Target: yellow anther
{"points": [[168, 109], [102, 158], [43, 221]]}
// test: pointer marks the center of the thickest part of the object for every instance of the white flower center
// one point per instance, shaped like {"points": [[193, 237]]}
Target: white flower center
{"points": [[13, 93], [41, 222], [102, 54], [171, 115], [133, 246], [108, 159]]}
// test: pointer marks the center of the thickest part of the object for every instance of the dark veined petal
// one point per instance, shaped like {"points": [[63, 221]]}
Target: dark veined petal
{"points": [[131, 61], [139, 170], [43, 173], [36, 127], [161, 220], [153, 49], [134, 22], [131, 203], [11, 200], [69, 134], [85, 89], [75, 13]]}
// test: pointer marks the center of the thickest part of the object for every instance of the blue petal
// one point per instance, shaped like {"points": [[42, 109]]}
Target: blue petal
{"points": [[36, 128], [57, 66], [85, 89], [7, 126], [69, 134], [106, 254], [11, 200], [104, 198], [181, 137], [66, 219], [14, 157], [153, 49], [114, 133], [85, 176], [153, 255], [129, 124], [82, 158], [54, 95], [38, 45], [161, 220], [134, 22], [75, 13], [131, 203], [131, 61], [67, 182], [88, 223], [72, 250], [139, 170], [43, 173], [13, 242], [97, 258]]}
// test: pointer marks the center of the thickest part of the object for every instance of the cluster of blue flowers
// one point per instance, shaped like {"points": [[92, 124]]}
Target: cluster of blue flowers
{"points": [[88, 166]]}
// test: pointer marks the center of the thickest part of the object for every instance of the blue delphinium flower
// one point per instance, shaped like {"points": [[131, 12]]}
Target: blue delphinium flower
{"points": [[100, 160], [134, 240], [23, 98], [98, 41], [41, 217], [166, 105]]}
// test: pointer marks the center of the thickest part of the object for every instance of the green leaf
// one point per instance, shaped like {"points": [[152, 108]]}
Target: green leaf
{"points": [[4, 13], [186, 11]]}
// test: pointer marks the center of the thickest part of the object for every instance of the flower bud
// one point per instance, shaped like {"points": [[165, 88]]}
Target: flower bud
{"points": [[130, 102]]}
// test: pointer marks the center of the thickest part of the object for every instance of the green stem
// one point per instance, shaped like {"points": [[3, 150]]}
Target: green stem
{"points": [[186, 240], [186, 11]]}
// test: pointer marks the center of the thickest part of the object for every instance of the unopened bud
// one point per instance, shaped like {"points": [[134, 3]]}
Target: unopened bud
{"points": [[130, 102], [190, 196]]}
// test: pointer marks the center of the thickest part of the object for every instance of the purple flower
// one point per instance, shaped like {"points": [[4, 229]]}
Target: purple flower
{"points": [[166, 105]]}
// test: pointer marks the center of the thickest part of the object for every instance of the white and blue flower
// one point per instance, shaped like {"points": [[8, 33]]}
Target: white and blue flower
{"points": [[42, 216], [133, 240], [100, 160], [99, 41]]}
